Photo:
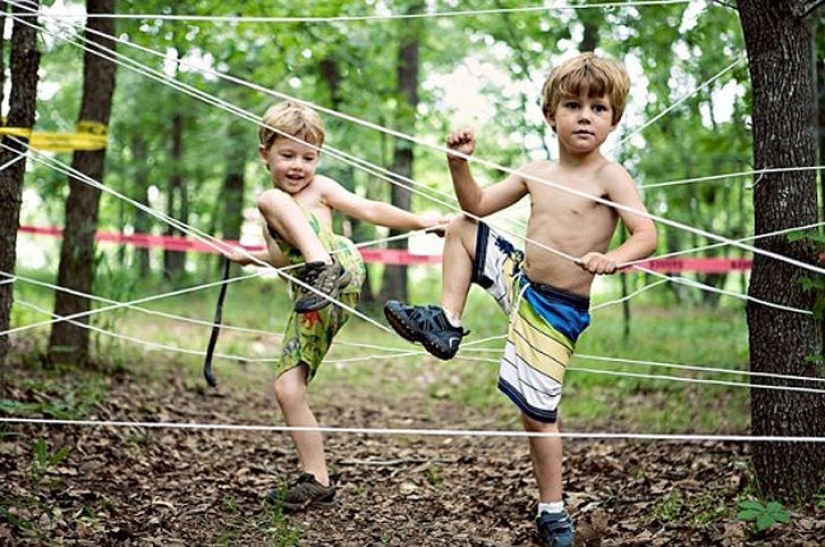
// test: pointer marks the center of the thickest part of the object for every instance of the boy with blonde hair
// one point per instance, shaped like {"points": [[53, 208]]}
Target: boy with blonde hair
{"points": [[298, 230], [543, 291]]}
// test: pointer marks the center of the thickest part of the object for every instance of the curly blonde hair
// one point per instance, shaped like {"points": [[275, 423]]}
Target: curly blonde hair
{"points": [[597, 76], [291, 119]]}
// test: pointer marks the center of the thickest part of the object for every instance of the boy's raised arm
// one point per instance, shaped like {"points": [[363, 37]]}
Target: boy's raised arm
{"points": [[472, 198], [467, 190], [378, 212]]}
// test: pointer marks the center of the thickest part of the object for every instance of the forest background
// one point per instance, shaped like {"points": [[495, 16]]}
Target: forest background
{"points": [[686, 138]]}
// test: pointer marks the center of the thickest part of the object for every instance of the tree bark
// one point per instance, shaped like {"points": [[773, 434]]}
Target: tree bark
{"points": [[143, 220], [25, 62], [780, 60], [177, 206], [68, 342], [394, 285]]}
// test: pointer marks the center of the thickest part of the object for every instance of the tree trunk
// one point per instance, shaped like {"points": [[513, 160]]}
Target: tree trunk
{"points": [[25, 61], [394, 285], [176, 201], [232, 192], [3, 9], [143, 220], [820, 93], [780, 60], [68, 342]]}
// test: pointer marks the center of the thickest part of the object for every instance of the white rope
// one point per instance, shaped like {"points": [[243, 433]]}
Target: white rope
{"points": [[12, 161], [702, 369], [205, 238], [133, 339], [711, 178], [693, 250], [625, 374], [362, 18], [180, 318], [640, 375], [117, 305], [741, 60], [564, 255], [410, 431], [493, 165]]}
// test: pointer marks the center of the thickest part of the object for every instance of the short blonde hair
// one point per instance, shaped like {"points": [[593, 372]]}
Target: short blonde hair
{"points": [[589, 74], [291, 119]]}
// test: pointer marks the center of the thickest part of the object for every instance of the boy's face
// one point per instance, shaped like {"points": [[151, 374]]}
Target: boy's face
{"points": [[291, 163], [582, 123]]}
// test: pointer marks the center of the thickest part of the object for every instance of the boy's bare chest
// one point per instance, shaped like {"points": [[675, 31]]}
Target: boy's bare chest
{"points": [[583, 201], [312, 205]]}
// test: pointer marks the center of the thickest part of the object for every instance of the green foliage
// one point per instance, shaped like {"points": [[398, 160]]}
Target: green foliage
{"points": [[44, 459], [762, 515], [434, 475], [679, 507], [71, 403]]}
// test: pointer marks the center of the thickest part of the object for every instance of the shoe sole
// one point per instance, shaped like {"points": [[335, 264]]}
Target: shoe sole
{"points": [[311, 504], [322, 303], [400, 325]]}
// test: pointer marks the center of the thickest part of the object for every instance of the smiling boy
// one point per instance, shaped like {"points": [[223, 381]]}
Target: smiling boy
{"points": [[297, 212], [544, 292]]}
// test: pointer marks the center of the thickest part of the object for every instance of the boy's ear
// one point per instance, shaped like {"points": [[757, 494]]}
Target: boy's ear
{"points": [[551, 121], [262, 154]]}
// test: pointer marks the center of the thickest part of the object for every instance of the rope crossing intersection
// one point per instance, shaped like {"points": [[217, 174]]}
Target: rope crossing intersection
{"points": [[411, 185]]}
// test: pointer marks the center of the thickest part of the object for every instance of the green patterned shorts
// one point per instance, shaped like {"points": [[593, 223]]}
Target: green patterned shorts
{"points": [[308, 336]]}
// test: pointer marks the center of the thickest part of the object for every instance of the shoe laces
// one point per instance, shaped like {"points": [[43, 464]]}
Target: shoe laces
{"points": [[310, 272], [433, 318]]}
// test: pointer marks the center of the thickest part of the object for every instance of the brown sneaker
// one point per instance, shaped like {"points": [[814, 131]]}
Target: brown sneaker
{"points": [[303, 493], [326, 279]]}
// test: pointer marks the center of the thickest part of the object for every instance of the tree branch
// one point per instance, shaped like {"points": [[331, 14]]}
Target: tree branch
{"points": [[724, 4], [811, 8]]}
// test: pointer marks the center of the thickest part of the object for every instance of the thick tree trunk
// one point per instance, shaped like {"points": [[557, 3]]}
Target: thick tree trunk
{"points": [[780, 59], [25, 61], [69, 343], [394, 285]]}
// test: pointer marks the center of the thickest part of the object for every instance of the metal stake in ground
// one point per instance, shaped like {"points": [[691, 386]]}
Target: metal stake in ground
{"points": [[216, 328]]}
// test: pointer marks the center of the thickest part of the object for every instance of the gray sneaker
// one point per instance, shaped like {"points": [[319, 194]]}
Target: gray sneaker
{"points": [[302, 493], [327, 279], [555, 529]]}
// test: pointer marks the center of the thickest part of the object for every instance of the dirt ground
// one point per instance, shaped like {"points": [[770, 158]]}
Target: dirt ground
{"points": [[129, 485]]}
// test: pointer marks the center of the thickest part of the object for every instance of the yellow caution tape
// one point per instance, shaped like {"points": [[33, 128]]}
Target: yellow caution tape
{"points": [[89, 136]]}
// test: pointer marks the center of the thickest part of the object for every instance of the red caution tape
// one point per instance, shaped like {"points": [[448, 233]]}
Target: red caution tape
{"points": [[388, 256]]}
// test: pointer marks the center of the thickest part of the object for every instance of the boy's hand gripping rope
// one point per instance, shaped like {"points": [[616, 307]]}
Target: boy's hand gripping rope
{"points": [[216, 328]]}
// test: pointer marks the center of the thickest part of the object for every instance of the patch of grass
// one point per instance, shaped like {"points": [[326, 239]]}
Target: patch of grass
{"points": [[44, 459], [280, 532], [692, 509], [55, 398]]}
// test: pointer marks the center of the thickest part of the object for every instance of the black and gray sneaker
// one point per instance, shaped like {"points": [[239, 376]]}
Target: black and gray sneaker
{"points": [[302, 493], [327, 279], [555, 529], [425, 324]]}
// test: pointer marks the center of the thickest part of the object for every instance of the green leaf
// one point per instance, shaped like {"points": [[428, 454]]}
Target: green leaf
{"points": [[751, 504], [773, 507], [763, 522], [749, 514]]}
